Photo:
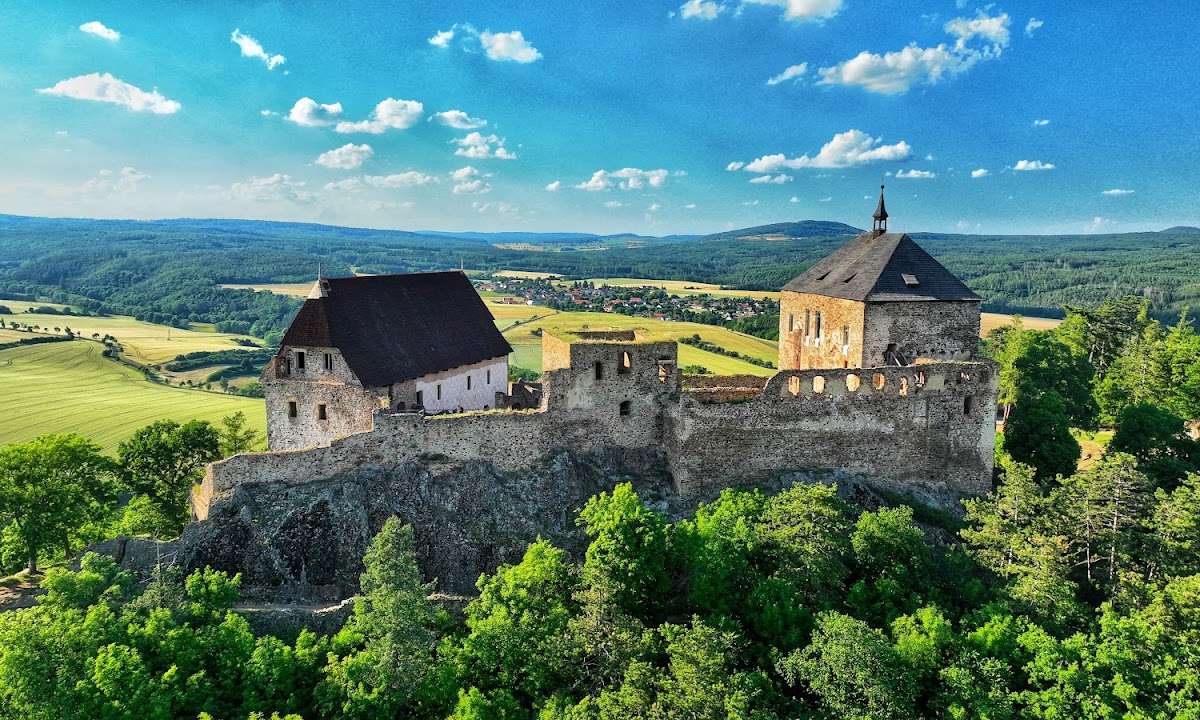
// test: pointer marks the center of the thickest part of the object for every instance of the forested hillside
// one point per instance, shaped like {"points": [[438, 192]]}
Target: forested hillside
{"points": [[168, 271]]}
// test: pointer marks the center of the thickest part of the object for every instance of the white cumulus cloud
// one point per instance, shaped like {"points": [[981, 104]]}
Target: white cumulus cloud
{"points": [[847, 149], [771, 179], [1032, 25], [409, 178], [469, 181], [252, 48], [1032, 165], [980, 172], [735, 166], [626, 179], [791, 72], [1042, 122], [554, 186], [896, 72], [109, 184], [279, 187], [802, 10], [103, 87], [916, 174], [442, 38], [347, 157], [478, 146], [1117, 192], [458, 120], [310, 113], [99, 29], [700, 10], [389, 114], [500, 46], [509, 46]]}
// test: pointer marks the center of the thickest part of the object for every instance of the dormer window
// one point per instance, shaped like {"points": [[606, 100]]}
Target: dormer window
{"points": [[910, 280]]}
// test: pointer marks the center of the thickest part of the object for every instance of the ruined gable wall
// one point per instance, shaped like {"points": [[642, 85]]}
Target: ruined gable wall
{"points": [[940, 330], [830, 350], [930, 442]]}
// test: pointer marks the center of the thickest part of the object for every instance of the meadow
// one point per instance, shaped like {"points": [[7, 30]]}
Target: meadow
{"points": [[144, 342], [71, 387]]}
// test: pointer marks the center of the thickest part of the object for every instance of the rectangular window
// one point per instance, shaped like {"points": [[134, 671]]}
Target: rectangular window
{"points": [[328, 362], [321, 412], [291, 408], [599, 371], [299, 359], [468, 382], [489, 377], [791, 323], [420, 399], [845, 334], [807, 323], [439, 391], [818, 333]]}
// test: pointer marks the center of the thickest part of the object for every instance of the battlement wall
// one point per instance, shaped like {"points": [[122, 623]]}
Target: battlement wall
{"points": [[925, 430]]}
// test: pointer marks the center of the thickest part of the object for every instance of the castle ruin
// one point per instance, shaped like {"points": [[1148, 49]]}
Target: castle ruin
{"points": [[879, 384]]}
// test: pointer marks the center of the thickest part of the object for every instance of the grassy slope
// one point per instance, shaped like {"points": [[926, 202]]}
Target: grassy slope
{"points": [[144, 342], [70, 387], [528, 352]]}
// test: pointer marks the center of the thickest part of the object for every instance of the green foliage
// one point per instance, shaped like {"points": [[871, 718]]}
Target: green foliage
{"points": [[1158, 439], [162, 462], [852, 670], [395, 621], [892, 564], [1038, 433], [629, 547], [50, 487], [235, 436]]}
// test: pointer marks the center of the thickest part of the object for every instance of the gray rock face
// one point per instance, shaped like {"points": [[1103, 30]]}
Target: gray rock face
{"points": [[305, 542]]}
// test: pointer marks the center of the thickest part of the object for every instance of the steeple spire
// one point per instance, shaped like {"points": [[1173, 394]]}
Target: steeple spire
{"points": [[881, 215]]}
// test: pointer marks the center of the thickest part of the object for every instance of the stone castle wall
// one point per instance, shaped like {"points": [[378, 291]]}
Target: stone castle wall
{"points": [[938, 330], [925, 430], [833, 348]]}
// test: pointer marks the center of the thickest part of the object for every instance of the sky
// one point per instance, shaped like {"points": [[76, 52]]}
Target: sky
{"points": [[621, 116]]}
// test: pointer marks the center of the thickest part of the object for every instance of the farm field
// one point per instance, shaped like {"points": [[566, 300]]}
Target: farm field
{"points": [[144, 342], [527, 346], [291, 289], [991, 321], [682, 287], [70, 387]]}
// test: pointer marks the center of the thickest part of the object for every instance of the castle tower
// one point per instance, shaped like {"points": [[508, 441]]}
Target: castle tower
{"points": [[878, 300]]}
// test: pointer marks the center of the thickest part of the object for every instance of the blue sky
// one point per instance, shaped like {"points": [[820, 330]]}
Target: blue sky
{"points": [[642, 116]]}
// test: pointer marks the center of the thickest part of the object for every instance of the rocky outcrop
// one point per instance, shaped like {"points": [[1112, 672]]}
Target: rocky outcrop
{"points": [[304, 542]]}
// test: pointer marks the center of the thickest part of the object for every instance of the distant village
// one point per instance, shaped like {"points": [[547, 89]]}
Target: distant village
{"points": [[645, 301]]}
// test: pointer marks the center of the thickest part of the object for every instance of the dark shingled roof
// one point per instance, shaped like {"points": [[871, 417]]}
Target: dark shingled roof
{"points": [[871, 268], [393, 328]]}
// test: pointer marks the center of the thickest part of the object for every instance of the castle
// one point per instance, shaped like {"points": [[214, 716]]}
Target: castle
{"points": [[878, 379]]}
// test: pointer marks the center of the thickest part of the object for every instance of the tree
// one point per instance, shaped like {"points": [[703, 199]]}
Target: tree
{"points": [[1175, 529], [1038, 433], [1103, 331], [162, 462], [892, 564], [395, 618], [853, 670], [1158, 439], [629, 547], [235, 436], [806, 533], [50, 487], [1033, 363]]}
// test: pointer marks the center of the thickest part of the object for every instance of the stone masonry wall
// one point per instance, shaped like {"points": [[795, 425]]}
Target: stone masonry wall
{"points": [[348, 408], [925, 431], [834, 347], [944, 331]]}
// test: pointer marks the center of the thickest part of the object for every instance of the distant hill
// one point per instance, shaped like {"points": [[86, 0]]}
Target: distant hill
{"points": [[788, 231], [1181, 230]]}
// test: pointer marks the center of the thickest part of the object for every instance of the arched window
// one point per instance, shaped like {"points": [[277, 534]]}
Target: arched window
{"points": [[626, 408], [626, 364]]}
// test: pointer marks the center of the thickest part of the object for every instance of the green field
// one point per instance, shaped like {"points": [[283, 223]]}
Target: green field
{"points": [[527, 347], [70, 387], [144, 342]]}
